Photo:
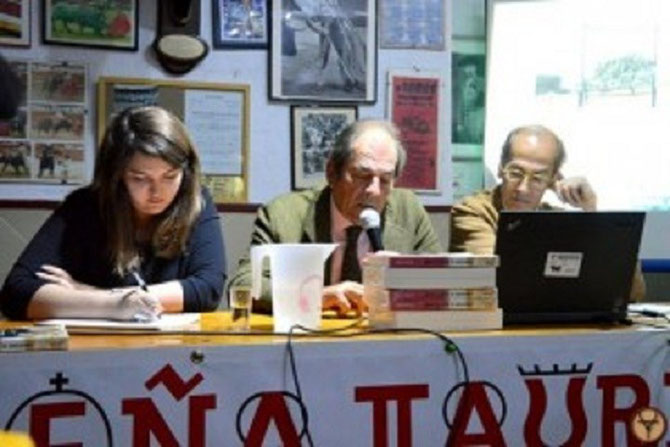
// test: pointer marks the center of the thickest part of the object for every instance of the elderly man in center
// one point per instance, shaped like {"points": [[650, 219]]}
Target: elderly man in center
{"points": [[530, 164], [364, 162]]}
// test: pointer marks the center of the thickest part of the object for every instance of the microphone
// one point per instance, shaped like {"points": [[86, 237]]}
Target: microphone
{"points": [[370, 221]]}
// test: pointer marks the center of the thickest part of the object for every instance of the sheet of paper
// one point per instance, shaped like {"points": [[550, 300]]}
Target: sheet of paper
{"points": [[214, 120], [163, 323], [661, 308]]}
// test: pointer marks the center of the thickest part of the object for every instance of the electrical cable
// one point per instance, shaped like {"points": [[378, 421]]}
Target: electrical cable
{"points": [[449, 346]]}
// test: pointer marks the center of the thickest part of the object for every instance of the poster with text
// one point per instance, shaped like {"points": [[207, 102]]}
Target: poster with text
{"points": [[414, 105]]}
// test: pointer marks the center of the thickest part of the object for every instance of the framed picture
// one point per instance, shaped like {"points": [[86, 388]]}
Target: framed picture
{"points": [[112, 24], [412, 24], [313, 132], [15, 22], [415, 107], [468, 92], [324, 51], [216, 114], [240, 24]]}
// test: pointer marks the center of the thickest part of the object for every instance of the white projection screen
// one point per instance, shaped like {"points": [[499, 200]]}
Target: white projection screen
{"points": [[598, 73]]}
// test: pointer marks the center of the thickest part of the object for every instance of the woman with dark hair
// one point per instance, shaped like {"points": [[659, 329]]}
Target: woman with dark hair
{"points": [[142, 239]]}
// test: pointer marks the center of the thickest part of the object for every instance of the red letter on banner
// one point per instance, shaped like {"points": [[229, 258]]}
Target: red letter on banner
{"points": [[272, 407], [40, 420], [379, 396], [197, 407], [474, 397], [146, 420], [538, 406], [611, 415]]}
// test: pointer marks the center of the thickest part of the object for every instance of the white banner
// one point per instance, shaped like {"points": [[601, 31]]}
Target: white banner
{"points": [[553, 390]]}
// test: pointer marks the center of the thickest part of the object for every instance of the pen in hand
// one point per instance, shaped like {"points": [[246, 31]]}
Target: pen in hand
{"points": [[142, 316], [140, 281]]}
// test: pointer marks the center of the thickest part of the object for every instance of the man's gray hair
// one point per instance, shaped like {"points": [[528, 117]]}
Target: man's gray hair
{"points": [[537, 130], [342, 150]]}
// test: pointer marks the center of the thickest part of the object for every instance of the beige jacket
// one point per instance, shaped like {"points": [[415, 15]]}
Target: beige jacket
{"points": [[474, 223]]}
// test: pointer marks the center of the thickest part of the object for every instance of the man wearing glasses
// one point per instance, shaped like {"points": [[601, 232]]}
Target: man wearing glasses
{"points": [[529, 165]]}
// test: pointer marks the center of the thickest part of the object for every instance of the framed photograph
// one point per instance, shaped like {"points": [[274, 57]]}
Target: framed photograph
{"points": [[313, 132], [324, 51], [468, 94], [216, 114], [112, 24], [415, 107], [15, 22], [412, 24], [240, 24]]}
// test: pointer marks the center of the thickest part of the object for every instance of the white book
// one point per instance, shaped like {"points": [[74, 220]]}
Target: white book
{"points": [[458, 320]]}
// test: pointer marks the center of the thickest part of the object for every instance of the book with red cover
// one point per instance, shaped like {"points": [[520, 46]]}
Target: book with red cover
{"points": [[433, 260], [443, 299]]}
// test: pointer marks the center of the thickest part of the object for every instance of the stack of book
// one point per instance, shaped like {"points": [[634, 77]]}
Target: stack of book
{"points": [[442, 292], [33, 338]]}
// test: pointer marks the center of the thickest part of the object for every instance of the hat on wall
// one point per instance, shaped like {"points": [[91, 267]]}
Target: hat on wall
{"points": [[180, 53], [178, 46]]}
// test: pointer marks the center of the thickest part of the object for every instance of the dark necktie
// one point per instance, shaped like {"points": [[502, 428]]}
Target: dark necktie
{"points": [[351, 270]]}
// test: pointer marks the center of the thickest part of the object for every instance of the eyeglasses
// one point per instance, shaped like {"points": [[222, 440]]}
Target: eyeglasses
{"points": [[536, 180]]}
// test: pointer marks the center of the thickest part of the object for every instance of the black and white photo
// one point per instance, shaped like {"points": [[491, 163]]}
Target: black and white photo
{"points": [[324, 50], [313, 132]]}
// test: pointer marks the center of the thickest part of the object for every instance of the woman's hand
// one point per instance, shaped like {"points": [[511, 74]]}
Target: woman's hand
{"points": [[57, 275], [135, 304]]}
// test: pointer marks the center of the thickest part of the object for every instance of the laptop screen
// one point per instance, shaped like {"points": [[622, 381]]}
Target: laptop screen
{"points": [[570, 267]]}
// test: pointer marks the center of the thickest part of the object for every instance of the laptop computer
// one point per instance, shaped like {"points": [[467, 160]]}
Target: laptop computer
{"points": [[566, 267]]}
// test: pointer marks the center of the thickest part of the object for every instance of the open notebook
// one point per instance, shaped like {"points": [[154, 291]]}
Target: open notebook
{"points": [[166, 322]]}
